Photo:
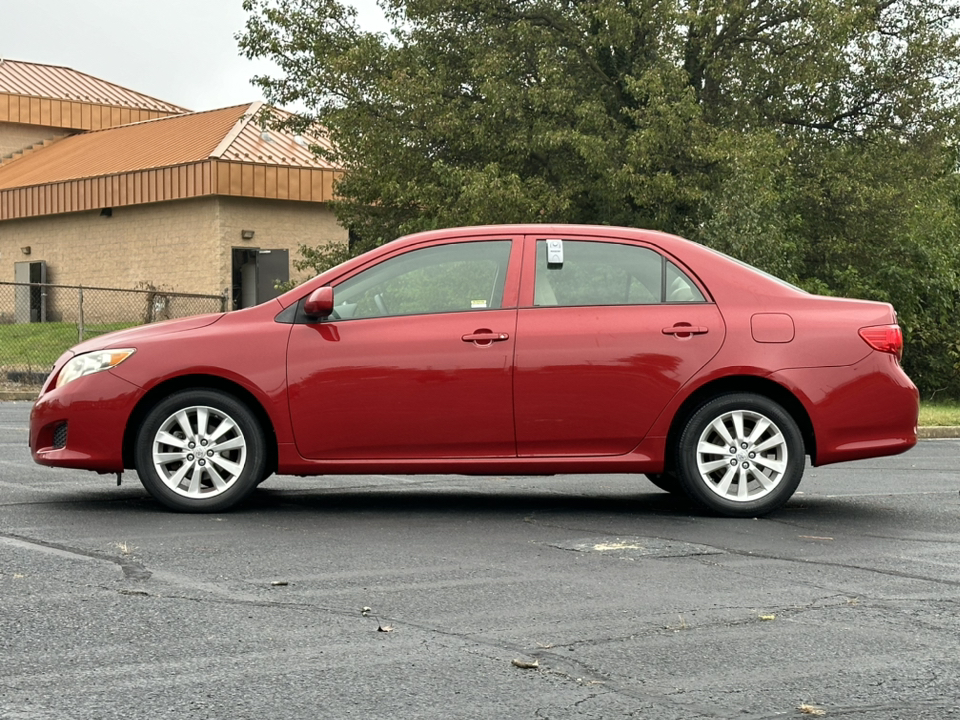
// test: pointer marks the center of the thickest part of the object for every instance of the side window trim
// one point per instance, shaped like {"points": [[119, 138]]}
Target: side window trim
{"points": [[663, 279]]}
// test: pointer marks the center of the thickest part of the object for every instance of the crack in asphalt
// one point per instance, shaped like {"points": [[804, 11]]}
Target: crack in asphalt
{"points": [[845, 566], [584, 676], [915, 709], [132, 569], [773, 556], [875, 536]]}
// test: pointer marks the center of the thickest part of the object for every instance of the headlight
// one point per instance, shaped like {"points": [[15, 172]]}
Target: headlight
{"points": [[92, 362]]}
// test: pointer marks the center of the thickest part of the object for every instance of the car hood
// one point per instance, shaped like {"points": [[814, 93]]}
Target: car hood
{"points": [[130, 337]]}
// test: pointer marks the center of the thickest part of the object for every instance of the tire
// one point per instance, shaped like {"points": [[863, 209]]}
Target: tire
{"points": [[740, 455], [231, 458], [666, 481]]}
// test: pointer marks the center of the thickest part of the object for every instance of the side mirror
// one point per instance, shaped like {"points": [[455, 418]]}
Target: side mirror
{"points": [[320, 303]]}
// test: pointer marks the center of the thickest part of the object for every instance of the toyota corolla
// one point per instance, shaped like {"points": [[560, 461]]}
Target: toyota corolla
{"points": [[525, 350]]}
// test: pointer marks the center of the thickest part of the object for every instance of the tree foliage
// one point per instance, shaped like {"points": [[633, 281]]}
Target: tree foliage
{"points": [[812, 138]]}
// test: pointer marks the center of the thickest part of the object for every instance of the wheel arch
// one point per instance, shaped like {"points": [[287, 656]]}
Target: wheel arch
{"points": [[198, 382], [737, 384]]}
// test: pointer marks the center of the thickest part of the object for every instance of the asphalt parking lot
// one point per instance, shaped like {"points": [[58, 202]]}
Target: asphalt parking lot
{"points": [[628, 604]]}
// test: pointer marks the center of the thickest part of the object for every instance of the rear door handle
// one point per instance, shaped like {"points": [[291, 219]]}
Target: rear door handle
{"points": [[485, 336], [685, 330]]}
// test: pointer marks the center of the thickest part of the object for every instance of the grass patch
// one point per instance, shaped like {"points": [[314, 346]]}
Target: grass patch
{"points": [[40, 344], [938, 414]]}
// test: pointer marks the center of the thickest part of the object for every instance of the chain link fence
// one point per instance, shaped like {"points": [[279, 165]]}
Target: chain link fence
{"points": [[38, 321]]}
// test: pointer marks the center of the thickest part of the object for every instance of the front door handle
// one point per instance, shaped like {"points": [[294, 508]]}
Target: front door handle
{"points": [[685, 330], [485, 336]]}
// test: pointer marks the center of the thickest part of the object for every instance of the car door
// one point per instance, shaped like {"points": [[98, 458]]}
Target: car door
{"points": [[416, 360], [607, 333]]}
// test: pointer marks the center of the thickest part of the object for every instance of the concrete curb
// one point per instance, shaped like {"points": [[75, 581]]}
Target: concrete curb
{"points": [[942, 431], [18, 395]]}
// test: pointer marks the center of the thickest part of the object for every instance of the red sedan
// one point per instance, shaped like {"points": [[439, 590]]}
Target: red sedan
{"points": [[528, 349]]}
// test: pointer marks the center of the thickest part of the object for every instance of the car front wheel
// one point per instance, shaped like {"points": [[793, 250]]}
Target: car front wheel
{"points": [[200, 451], [740, 455]]}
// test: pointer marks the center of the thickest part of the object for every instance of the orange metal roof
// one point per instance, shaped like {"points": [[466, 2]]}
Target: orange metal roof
{"points": [[62, 83], [231, 133], [156, 143], [255, 144], [219, 152]]}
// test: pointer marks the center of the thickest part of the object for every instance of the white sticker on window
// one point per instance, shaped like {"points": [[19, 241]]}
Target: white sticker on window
{"points": [[478, 303], [555, 252]]}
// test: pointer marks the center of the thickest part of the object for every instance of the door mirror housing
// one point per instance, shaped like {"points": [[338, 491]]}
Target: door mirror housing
{"points": [[319, 303]]}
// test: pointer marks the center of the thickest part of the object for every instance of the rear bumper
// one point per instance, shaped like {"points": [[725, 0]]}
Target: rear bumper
{"points": [[864, 410], [81, 425]]}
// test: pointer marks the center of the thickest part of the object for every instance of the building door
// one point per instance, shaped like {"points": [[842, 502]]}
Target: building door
{"points": [[273, 267], [30, 301], [255, 273]]}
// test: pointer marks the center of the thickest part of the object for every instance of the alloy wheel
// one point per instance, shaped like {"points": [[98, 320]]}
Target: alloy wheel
{"points": [[199, 452], [742, 456]]}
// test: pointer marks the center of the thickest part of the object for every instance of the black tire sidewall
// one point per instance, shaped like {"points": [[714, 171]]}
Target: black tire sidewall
{"points": [[245, 484], [686, 455], [666, 481]]}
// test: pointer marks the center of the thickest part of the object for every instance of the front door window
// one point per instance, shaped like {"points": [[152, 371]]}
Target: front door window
{"points": [[444, 278]]}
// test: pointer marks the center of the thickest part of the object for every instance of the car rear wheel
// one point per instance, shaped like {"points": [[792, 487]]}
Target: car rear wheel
{"points": [[740, 455], [200, 451]]}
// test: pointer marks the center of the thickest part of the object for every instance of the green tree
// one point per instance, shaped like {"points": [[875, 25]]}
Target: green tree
{"points": [[812, 138]]}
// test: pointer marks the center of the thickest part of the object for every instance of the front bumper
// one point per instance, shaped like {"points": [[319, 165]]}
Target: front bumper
{"points": [[82, 424]]}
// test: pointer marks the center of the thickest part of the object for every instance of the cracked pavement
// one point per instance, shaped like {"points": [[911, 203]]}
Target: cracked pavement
{"points": [[631, 605]]}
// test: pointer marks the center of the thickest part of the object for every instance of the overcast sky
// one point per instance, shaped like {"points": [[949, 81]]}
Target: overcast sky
{"points": [[181, 51]]}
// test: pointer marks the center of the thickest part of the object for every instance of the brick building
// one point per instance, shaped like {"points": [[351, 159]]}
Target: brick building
{"points": [[103, 186]]}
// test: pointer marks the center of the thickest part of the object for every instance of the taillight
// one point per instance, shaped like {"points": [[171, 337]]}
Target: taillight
{"points": [[885, 338]]}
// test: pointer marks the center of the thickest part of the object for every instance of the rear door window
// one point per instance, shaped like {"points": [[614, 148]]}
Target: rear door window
{"points": [[608, 273]]}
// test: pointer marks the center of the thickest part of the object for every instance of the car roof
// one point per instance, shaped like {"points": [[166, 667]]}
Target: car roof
{"points": [[539, 229], [687, 251]]}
